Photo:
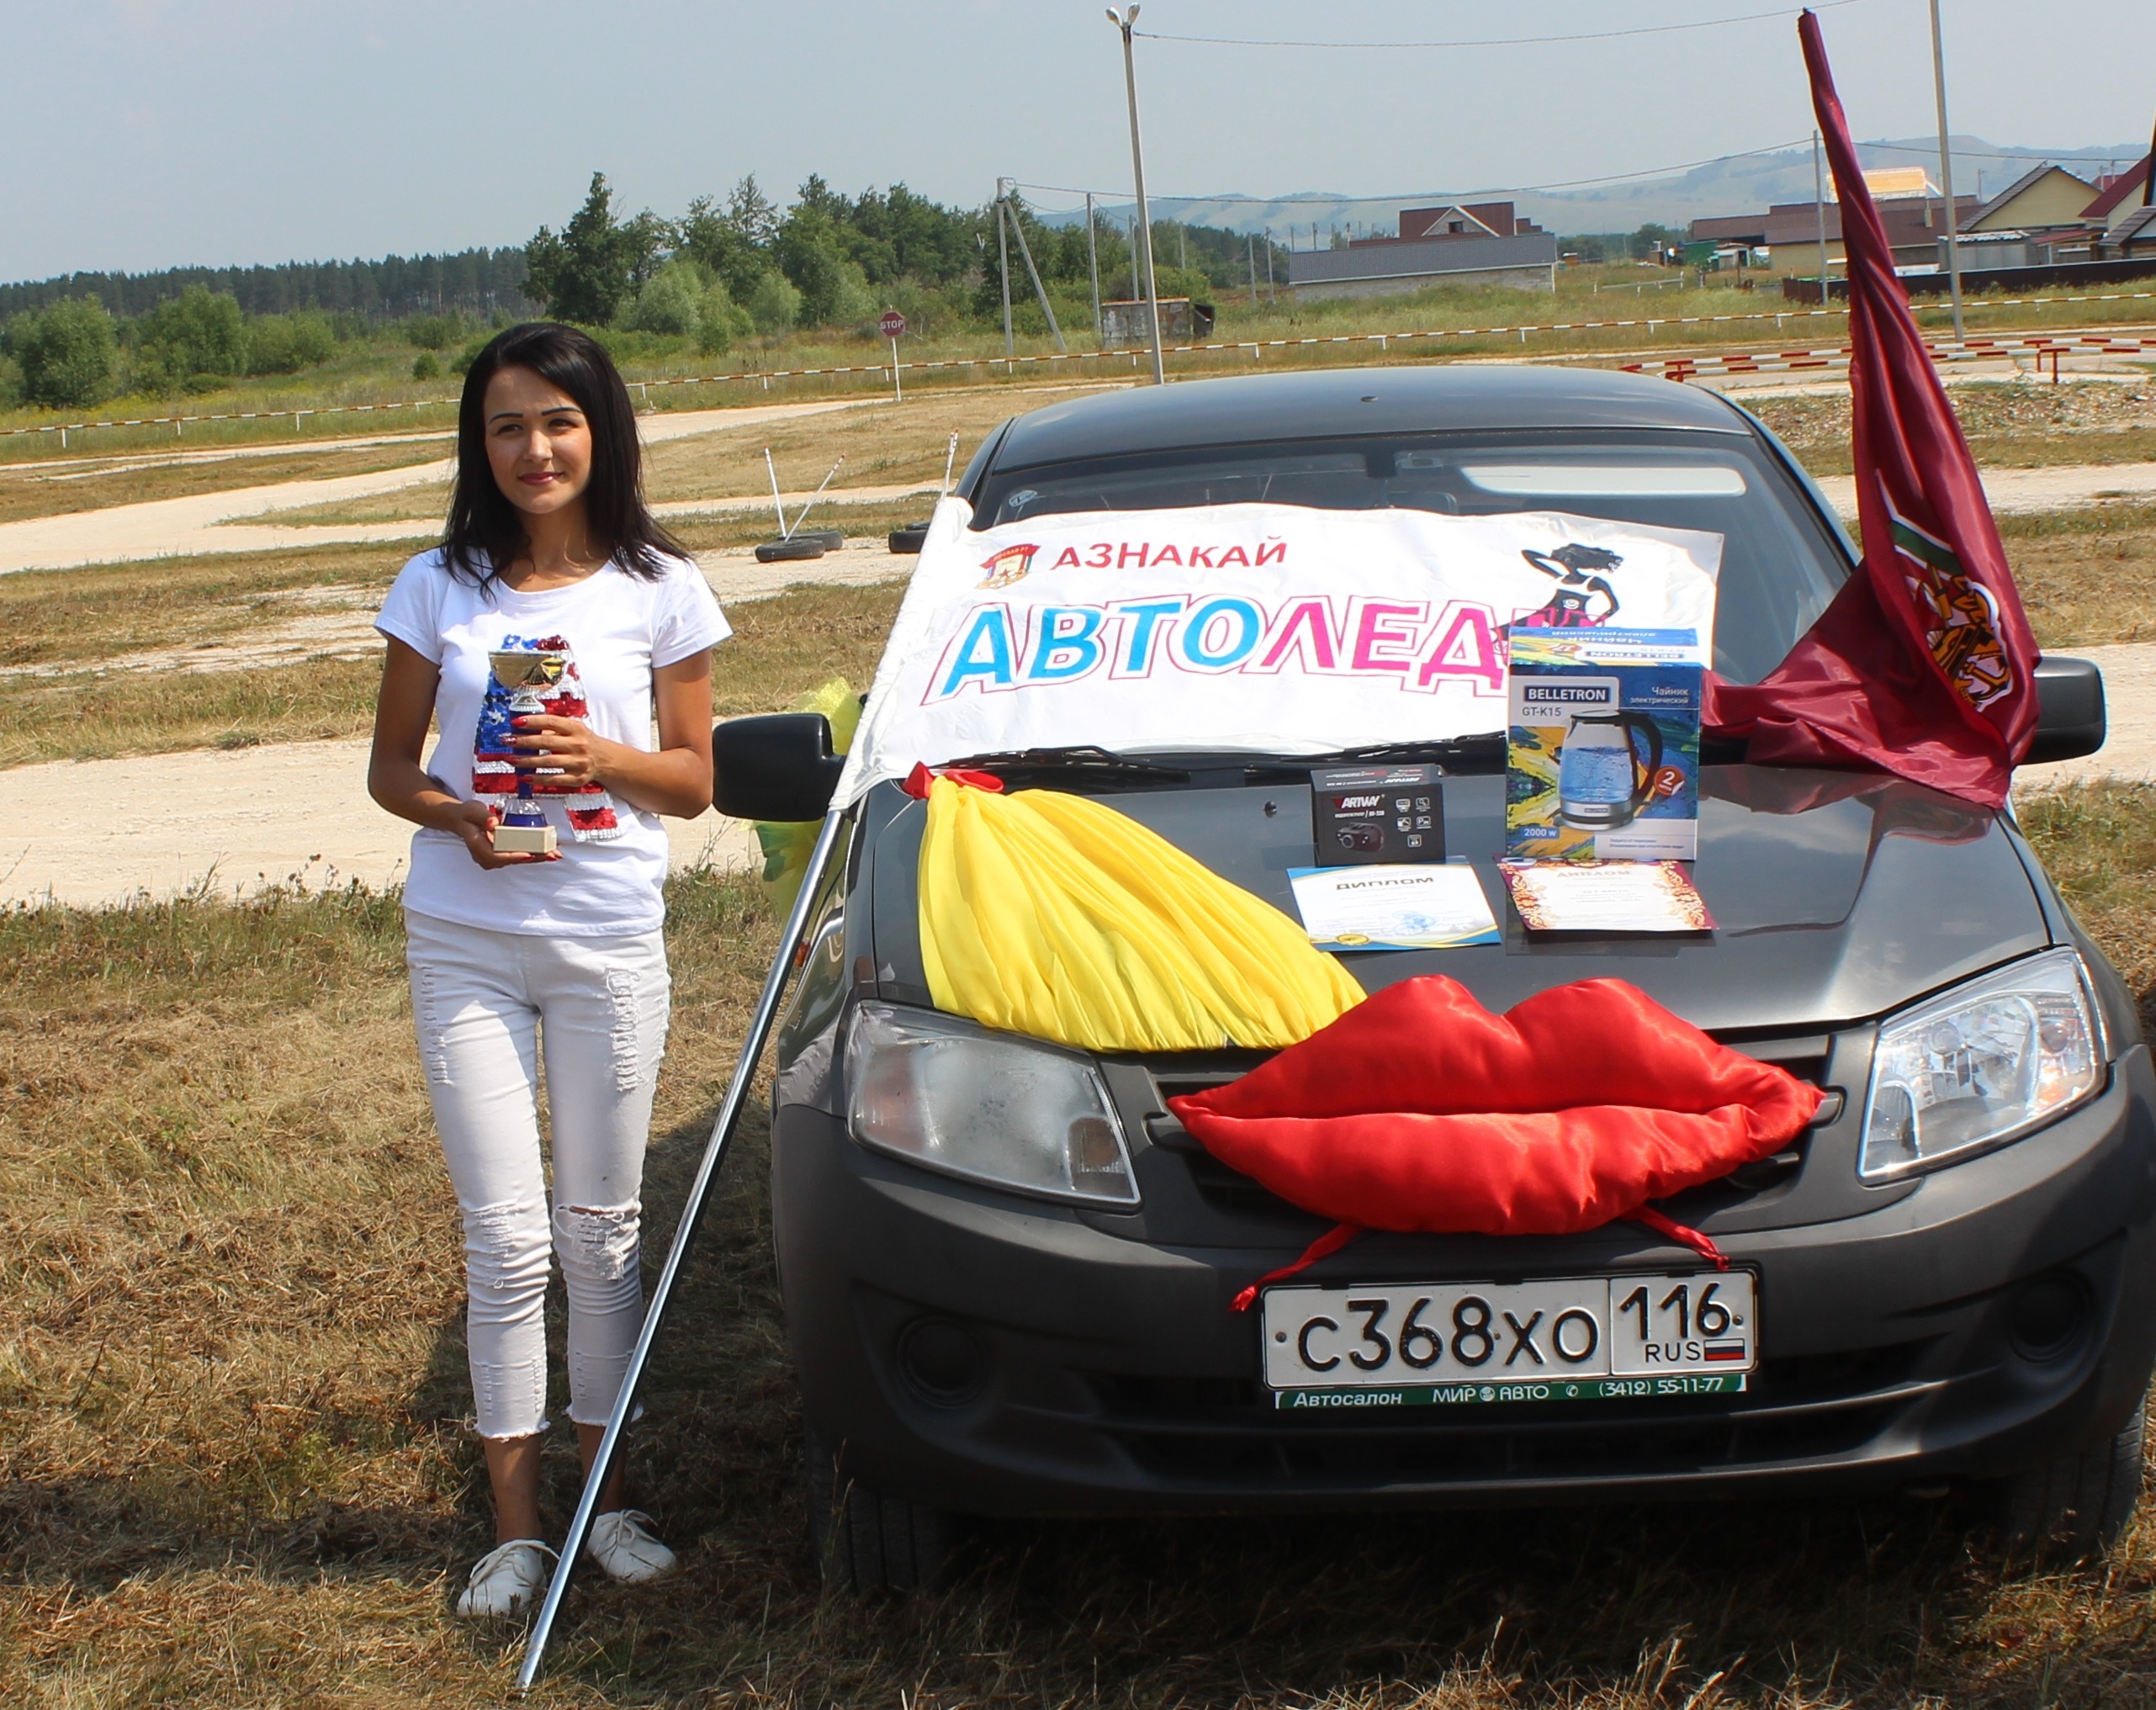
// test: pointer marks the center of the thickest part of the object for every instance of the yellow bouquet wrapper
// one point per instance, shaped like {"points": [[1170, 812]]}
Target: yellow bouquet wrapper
{"points": [[1051, 915], [786, 844]]}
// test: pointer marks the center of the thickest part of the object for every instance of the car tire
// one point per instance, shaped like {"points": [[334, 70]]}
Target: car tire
{"points": [[865, 1542], [911, 538], [2077, 1508], [786, 552], [833, 538]]}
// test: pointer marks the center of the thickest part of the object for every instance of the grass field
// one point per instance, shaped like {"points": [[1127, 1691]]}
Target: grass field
{"points": [[58, 700], [231, 1392], [380, 378]]}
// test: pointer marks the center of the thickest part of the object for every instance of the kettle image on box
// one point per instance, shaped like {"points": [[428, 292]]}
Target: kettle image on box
{"points": [[1603, 781]]}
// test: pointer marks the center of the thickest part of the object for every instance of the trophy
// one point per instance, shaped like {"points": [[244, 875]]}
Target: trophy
{"points": [[528, 674]]}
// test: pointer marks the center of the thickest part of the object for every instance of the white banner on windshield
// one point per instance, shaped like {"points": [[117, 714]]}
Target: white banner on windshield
{"points": [[1251, 628]]}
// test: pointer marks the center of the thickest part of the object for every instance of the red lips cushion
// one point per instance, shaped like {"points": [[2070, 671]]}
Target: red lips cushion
{"points": [[1420, 1110]]}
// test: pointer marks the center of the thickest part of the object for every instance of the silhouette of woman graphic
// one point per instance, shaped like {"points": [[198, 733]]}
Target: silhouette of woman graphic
{"points": [[1573, 605]]}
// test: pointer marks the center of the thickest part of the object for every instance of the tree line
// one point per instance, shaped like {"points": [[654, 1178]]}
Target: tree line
{"points": [[725, 270]]}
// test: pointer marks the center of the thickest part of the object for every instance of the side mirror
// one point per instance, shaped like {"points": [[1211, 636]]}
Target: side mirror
{"points": [[2069, 710], [777, 766]]}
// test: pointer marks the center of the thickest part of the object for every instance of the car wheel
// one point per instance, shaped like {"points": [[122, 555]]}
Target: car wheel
{"points": [[866, 1541], [785, 552], [911, 538], [2078, 1506]]}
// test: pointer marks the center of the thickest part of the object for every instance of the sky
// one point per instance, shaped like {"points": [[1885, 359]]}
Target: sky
{"points": [[144, 133]]}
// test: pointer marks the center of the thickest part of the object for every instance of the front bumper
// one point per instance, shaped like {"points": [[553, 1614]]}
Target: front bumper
{"points": [[991, 1354]]}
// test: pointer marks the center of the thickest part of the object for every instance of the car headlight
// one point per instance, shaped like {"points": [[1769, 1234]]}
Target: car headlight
{"points": [[945, 1093], [1984, 1065]]}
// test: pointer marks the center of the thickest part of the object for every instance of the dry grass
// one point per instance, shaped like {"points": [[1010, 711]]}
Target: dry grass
{"points": [[884, 445], [782, 647], [233, 1471], [2010, 425], [2087, 576], [97, 483]]}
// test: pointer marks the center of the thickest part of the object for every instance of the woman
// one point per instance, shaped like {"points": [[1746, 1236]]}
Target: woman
{"points": [[518, 953]]}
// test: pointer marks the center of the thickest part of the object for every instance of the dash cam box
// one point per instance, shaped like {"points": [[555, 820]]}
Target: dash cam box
{"points": [[1602, 755], [1377, 813]]}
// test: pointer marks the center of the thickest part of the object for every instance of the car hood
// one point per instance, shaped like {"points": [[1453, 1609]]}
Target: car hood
{"points": [[1836, 896]]}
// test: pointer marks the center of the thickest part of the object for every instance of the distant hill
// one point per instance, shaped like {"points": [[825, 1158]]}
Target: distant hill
{"points": [[1734, 186]]}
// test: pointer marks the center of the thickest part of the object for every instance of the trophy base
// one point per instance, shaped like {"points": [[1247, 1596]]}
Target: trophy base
{"points": [[524, 839]]}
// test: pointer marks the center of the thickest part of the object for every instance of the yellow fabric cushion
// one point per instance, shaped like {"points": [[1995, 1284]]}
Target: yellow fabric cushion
{"points": [[1050, 915]]}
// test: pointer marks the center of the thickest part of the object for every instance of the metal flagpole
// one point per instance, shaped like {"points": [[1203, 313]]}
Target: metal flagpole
{"points": [[1092, 268], [1947, 171], [1125, 21], [700, 1191], [1818, 203]]}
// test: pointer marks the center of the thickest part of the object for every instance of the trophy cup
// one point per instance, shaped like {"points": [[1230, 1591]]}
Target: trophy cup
{"points": [[528, 674]]}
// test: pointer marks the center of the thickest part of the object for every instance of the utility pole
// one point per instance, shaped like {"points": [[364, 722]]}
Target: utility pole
{"points": [[1125, 21], [1819, 206], [1032, 273], [1947, 171], [1250, 245], [1093, 268], [1003, 267]]}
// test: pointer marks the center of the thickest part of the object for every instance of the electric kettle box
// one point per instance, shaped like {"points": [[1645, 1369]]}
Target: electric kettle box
{"points": [[1602, 751]]}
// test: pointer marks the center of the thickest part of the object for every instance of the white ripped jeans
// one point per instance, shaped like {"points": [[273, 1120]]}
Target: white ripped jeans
{"points": [[487, 1007]]}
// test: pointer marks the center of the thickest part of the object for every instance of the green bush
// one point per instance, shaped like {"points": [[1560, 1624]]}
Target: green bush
{"points": [[434, 332], [426, 366], [67, 353], [284, 344], [773, 305], [684, 298], [197, 337], [671, 301]]}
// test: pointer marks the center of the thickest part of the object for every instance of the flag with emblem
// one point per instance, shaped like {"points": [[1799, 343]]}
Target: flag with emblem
{"points": [[1923, 664]]}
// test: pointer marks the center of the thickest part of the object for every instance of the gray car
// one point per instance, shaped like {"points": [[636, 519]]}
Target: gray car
{"points": [[1038, 1323]]}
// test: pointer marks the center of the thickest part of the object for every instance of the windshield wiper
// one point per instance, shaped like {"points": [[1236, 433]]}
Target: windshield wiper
{"points": [[1081, 764], [1483, 751]]}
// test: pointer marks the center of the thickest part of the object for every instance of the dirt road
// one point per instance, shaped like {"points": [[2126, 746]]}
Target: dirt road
{"points": [[200, 524], [100, 832]]}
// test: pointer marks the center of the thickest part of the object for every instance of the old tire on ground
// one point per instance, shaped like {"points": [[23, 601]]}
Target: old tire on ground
{"points": [[2076, 1508], [833, 538], [910, 538], [786, 552], [865, 1542]]}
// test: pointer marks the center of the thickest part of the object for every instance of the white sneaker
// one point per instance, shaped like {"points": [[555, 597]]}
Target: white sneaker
{"points": [[507, 1579], [624, 1545]]}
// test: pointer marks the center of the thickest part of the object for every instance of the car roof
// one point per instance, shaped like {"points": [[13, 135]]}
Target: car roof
{"points": [[1337, 403]]}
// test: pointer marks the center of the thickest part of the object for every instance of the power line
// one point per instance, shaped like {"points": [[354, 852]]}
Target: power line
{"points": [[1490, 41], [1455, 195]]}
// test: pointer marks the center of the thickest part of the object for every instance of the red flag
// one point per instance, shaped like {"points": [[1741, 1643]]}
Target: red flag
{"points": [[1923, 663]]}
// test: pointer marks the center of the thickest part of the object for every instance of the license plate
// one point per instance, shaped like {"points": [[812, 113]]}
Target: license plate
{"points": [[1568, 1339]]}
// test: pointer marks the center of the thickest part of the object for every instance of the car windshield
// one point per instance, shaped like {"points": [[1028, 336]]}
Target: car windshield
{"points": [[1780, 563]]}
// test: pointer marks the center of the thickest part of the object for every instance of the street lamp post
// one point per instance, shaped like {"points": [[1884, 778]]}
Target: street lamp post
{"points": [[1124, 21], [1946, 171]]}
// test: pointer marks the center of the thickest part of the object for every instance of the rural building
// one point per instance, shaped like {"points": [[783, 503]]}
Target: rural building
{"points": [[2047, 196], [1476, 243], [1125, 322], [1914, 225]]}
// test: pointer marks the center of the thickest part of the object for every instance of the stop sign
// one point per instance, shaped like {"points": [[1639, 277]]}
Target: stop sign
{"points": [[893, 324]]}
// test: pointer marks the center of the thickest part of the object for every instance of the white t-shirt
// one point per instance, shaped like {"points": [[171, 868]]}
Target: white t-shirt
{"points": [[618, 627]]}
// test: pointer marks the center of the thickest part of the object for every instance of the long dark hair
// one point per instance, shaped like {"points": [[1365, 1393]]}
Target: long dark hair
{"points": [[485, 532]]}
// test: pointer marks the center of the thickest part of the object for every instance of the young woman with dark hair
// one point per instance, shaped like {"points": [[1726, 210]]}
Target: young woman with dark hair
{"points": [[520, 957]]}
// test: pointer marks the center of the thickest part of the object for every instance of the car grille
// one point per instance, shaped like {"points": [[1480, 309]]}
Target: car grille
{"points": [[1229, 1191], [1225, 1431]]}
